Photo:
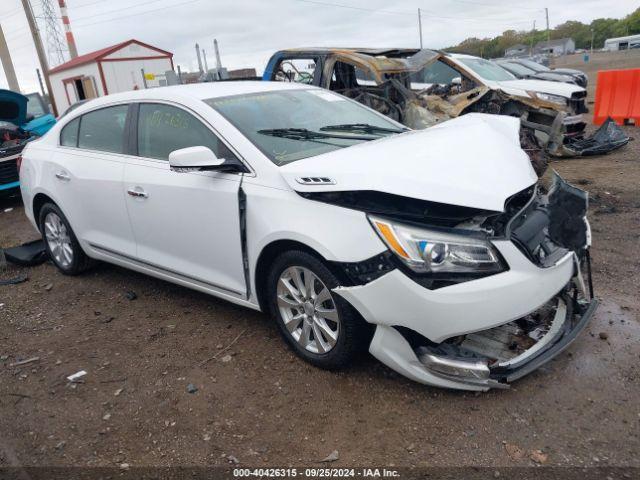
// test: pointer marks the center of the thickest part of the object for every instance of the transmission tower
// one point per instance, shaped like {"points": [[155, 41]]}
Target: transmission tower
{"points": [[56, 46]]}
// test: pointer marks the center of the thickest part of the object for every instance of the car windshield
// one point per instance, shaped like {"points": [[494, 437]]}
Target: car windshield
{"points": [[517, 68], [536, 67], [289, 125], [487, 70]]}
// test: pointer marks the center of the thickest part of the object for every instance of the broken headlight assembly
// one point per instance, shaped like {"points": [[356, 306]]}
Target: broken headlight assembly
{"points": [[548, 97], [439, 254]]}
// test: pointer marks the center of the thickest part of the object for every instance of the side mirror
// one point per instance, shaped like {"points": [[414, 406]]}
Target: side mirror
{"points": [[197, 158], [456, 81]]}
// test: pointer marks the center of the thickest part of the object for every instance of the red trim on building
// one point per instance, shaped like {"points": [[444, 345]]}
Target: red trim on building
{"points": [[102, 79], [99, 55], [128, 59], [67, 81]]}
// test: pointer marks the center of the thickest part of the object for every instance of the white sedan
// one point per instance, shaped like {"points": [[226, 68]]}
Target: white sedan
{"points": [[436, 250]]}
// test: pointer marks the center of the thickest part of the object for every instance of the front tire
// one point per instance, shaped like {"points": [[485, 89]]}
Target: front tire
{"points": [[320, 326], [60, 242]]}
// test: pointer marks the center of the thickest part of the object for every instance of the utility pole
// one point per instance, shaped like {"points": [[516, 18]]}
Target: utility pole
{"points": [[37, 42], [420, 27], [7, 64], [592, 34], [546, 13], [532, 38]]}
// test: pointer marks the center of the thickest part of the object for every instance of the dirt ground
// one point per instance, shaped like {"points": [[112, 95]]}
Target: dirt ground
{"points": [[258, 404]]}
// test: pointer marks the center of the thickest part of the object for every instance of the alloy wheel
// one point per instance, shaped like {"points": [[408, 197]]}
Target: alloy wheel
{"points": [[58, 240], [308, 310]]}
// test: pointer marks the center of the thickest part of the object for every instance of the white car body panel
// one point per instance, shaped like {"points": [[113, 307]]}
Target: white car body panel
{"points": [[422, 164], [187, 229], [465, 307], [205, 203], [520, 87]]}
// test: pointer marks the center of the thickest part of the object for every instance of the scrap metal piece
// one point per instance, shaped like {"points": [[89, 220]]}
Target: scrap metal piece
{"points": [[605, 139]]}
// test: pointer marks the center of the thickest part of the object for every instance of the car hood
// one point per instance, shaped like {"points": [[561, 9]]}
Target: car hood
{"points": [[470, 161], [543, 86], [553, 77], [13, 107]]}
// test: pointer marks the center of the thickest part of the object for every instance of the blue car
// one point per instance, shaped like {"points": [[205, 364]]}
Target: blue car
{"points": [[22, 119]]}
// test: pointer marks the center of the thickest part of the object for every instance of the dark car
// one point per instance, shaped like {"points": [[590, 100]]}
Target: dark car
{"points": [[521, 71], [580, 76]]}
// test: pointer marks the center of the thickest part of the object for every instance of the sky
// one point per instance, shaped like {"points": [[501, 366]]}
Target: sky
{"points": [[250, 31]]}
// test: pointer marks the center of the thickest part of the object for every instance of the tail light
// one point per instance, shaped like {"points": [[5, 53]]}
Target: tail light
{"points": [[19, 162]]}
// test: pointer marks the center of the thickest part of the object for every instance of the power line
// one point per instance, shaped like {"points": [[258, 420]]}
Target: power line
{"points": [[136, 14]]}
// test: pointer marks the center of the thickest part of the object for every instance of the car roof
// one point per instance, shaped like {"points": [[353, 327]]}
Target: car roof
{"points": [[197, 91]]}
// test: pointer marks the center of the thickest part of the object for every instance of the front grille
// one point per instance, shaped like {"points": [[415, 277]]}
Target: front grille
{"points": [[8, 172], [577, 102]]}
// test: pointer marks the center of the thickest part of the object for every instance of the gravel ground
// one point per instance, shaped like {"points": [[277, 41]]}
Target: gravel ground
{"points": [[257, 404]]}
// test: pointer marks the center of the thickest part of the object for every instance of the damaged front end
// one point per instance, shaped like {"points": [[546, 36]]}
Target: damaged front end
{"points": [[548, 228], [526, 299]]}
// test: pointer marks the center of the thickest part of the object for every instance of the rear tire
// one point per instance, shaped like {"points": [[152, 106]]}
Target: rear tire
{"points": [[60, 242], [320, 326]]}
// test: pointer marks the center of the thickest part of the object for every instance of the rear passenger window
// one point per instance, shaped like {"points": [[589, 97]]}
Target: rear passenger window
{"points": [[164, 128], [103, 129], [69, 134]]}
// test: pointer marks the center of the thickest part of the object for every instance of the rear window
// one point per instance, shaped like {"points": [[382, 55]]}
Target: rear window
{"points": [[103, 129], [69, 134]]}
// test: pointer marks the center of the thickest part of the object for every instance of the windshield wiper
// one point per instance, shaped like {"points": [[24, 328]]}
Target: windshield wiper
{"points": [[362, 127], [304, 134]]}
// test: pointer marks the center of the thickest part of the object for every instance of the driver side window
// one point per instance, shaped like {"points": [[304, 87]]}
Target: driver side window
{"points": [[438, 72], [299, 70], [165, 128]]}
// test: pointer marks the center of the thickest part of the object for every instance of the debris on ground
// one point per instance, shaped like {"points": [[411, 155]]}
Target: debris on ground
{"points": [[232, 459], [76, 376], [118, 392], [605, 139], [28, 254], [131, 295], [191, 388], [48, 286], [514, 451], [603, 335], [14, 280], [226, 358], [24, 362], [332, 457], [538, 456]]}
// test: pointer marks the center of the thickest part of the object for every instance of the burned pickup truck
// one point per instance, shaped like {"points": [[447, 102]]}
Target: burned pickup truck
{"points": [[421, 88]]}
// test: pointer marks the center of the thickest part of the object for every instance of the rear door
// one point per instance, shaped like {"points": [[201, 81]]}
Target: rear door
{"points": [[87, 173], [184, 223]]}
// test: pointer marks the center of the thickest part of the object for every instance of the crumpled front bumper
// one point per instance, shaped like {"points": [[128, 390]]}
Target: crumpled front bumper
{"points": [[392, 302]]}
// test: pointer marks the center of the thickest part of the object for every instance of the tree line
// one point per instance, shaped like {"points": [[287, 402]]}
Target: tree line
{"points": [[600, 28]]}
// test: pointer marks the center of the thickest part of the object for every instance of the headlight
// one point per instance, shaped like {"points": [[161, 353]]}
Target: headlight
{"points": [[430, 251], [548, 97]]}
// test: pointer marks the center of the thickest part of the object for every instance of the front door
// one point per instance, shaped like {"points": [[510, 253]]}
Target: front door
{"points": [[184, 223]]}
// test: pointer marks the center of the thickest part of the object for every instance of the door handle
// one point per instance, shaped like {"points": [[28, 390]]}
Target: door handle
{"points": [[63, 176], [137, 193]]}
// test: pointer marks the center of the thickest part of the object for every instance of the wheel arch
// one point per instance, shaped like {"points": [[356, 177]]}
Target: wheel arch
{"points": [[39, 200], [270, 252]]}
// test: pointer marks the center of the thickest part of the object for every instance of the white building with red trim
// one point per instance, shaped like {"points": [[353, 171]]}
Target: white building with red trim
{"points": [[117, 68]]}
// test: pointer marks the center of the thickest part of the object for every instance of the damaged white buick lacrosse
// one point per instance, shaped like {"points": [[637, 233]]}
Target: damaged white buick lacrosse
{"points": [[437, 250]]}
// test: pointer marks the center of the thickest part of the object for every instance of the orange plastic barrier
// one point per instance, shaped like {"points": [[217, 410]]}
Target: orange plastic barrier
{"points": [[618, 96]]}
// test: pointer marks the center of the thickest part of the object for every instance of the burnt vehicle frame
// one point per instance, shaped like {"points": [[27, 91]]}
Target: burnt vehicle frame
{"points": [[382, 79]]}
